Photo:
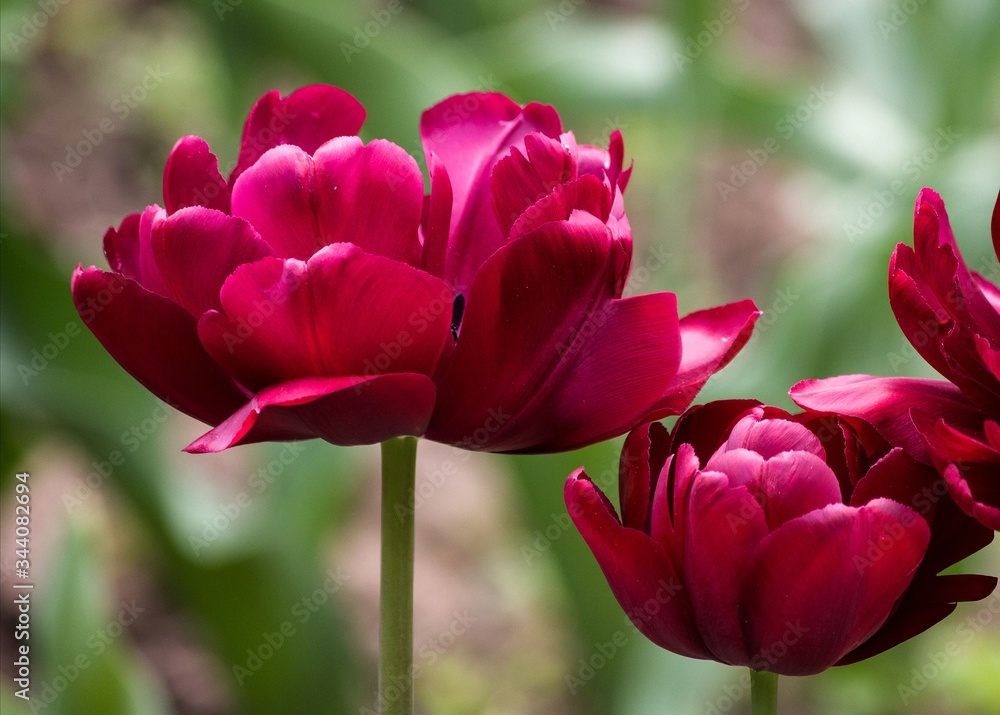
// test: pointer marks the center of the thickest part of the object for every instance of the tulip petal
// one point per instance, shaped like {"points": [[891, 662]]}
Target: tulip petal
{"points": [[370, 196], [519, 181], [341, 410], [724, 527], [156, 341], [711, 338], [769, 438], [436, 218], [976, 489], [196, 249], [885, 402], [275, 196], [823, 583], [306, 118], [341, 313], [555, 374], [191, 178], [641, 577], [703, 426], [643, 456], [469, 134]]}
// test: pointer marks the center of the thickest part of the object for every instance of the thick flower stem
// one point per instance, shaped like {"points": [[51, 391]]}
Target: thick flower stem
{"points": [[395, 652], [764, 692]]}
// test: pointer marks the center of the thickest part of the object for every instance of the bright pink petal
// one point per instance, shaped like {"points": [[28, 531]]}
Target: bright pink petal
{"points": [[769, 438], [307, 118], [711, 338], [469, 134], [342, 313], [196, 249], [519, 181], [585, 194], [794, 484], [824, 583], [370, 196], [885, 402], [706, 427], [191, 177], [155, 340], [641, 577], [340, 410], [275, 196], [121, 248]]}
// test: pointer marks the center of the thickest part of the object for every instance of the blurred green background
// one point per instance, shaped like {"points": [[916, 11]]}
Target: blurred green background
{"points": [[778, 147]]}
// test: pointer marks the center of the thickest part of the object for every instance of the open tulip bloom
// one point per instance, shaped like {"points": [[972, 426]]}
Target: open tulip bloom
{"points": [[785, 543], [951, 316], [317, 292]]}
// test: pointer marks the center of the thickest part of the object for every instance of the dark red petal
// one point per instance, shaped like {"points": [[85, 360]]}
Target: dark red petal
{"points": [[725, 525], [340, 410], [469, 134], [643, 456], [156, 341], [706, 427], [191, 177], [196, 249], [822, 584], [641, 577], [307, 118], [343, 312], [436, 220]]}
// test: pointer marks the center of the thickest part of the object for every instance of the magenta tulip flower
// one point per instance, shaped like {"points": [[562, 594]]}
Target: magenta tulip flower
{"points": [[951, 316], [785, 543], [317, 292]]}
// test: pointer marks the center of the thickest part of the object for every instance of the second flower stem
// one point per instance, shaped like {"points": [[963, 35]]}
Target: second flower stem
{"points": [[395, 651], [764, 692]]}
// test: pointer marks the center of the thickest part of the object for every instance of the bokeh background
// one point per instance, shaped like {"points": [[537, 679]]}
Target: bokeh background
{"points": [[778, 148]]}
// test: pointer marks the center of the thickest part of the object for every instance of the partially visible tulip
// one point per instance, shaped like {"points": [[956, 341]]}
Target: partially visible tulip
{"points": [[951, 316], [786, 543], [317, 292]]}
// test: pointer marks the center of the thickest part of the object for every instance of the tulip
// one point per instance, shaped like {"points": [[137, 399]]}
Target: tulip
{"points": [[786, 543], [317, 292], [951, 316]]}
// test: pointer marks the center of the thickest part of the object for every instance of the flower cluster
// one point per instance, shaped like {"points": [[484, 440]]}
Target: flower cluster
{"points": [[318, 292]]}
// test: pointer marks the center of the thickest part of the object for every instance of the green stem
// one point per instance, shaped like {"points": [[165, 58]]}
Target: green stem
{"points": [[764, 692], [395, 651]]}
